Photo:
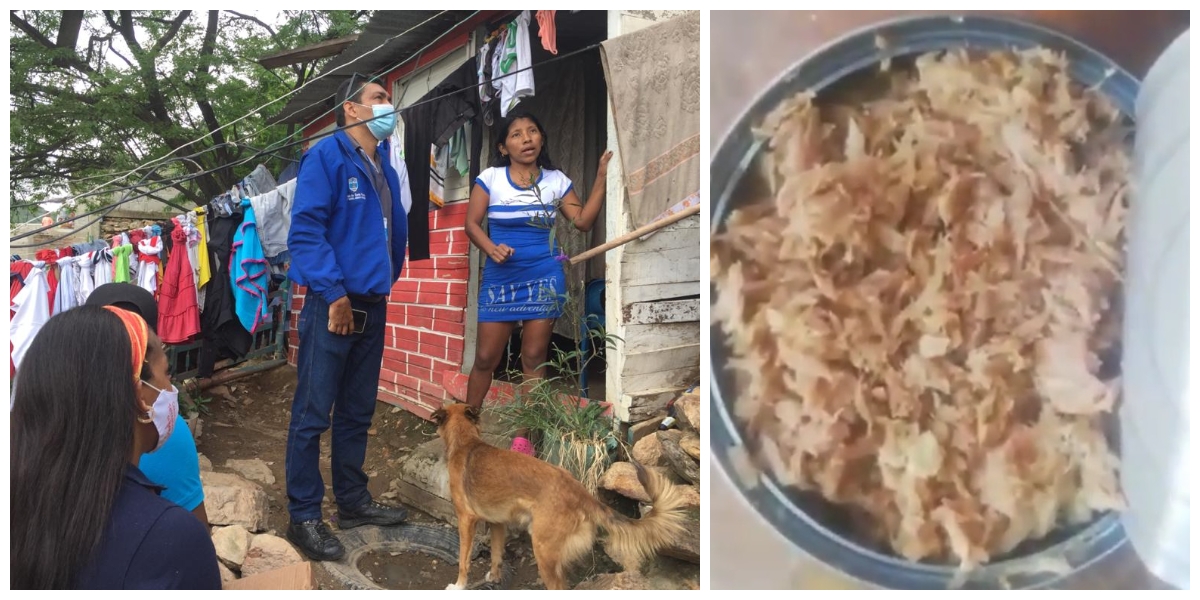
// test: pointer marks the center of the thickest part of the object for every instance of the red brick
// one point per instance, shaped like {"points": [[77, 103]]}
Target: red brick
{"points": [[454, 356], [433, 351], [405, 285], [449, 327], [419, 311], [389, 372], [421, 322], [459, 247], [451, 262], [440, 367], [408, 381], [450, 221], [434, 287], [456, 300], [396, 355], [434, 299], [408, 345], [453, 343], [430, 337], [457, 208], [407, 333], [419, 373], [449, 314], [406, 297], [457, 289], [418, 360]]}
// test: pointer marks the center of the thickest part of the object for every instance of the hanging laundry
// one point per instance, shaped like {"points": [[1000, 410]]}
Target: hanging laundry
{"points": [[546, 32], [484, 67], [102, 267], [273, 218], [438, 158], [66, 297], [431, 121], [516, 78], [50, 258], [204, 269], [189, 221], [121, 255], [31, 310], [289, 172], [396, 156], [249, 274], [459, 159], [178, 311], [259, 181], [148, 251], [85, 283], [224, 336]]}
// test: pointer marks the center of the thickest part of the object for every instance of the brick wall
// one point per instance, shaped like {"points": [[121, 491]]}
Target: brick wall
{"points": [[426, 318]]}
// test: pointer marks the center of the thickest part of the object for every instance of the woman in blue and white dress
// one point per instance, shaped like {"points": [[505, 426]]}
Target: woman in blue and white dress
{"points": [[521, 196]]}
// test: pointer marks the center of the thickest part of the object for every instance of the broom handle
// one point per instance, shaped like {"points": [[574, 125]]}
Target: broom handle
{"points": [[635, 234]]}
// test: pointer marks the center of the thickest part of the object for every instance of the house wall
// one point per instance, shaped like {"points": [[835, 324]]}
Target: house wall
{"points": [[660, 354]]}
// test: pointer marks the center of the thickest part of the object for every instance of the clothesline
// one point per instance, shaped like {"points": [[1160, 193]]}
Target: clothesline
{"points": [[210, 270]]}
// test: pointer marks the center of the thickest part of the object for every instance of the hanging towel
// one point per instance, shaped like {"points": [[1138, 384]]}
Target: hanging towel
{"points": [[654, 90], [546, 32], [250, 274], [178, 311]]}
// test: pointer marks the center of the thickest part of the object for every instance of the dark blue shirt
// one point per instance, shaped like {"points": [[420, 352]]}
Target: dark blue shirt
{"points": [[151, 543]]}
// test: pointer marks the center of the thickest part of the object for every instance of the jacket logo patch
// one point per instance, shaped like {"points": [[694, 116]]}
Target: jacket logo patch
{"points": [[353, 184]]}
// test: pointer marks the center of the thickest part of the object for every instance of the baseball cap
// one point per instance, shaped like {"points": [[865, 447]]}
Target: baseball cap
{"points": [[129, 297]]}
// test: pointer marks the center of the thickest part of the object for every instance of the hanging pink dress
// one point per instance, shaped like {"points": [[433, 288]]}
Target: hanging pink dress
{"points": [[178, 313]]}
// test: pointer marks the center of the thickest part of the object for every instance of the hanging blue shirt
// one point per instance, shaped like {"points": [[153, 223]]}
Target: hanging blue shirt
{"points": [[250, 273]]}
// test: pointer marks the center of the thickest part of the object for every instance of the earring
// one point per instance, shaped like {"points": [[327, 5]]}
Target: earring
{"points": [[149, 418]]}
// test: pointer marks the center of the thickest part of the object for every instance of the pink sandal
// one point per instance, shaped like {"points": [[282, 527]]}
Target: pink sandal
{"points": [[522, 445]]}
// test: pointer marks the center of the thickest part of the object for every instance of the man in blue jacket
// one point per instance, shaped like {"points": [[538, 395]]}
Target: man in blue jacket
{"points": [[347, 243]]}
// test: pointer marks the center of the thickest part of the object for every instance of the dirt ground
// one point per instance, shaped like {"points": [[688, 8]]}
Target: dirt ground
{"points": [[249, 419]]}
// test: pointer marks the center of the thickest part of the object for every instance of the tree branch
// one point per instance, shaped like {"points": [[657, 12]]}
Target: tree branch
{"points": [[68, 59], [68, 29], [254, 19], [171, 32]]}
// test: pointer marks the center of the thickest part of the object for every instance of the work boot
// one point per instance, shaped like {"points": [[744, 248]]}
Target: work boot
{"points": [[315, 540], [371, 513]]}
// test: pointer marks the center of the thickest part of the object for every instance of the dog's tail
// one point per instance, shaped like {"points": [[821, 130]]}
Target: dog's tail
{"points": [[635, 540]]}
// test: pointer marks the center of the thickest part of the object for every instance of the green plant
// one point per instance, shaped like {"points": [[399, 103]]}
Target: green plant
{"points": [[575, 436], [197, 405]]}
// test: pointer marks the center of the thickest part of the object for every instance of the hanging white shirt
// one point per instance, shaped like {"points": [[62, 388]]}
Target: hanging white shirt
{"points": [[147, 272], [514, 57], [65, 297], [32, 310], [396, 156]]}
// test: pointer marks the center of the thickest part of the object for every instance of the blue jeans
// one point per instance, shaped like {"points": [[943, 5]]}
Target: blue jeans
{"points": [[337, 374]]}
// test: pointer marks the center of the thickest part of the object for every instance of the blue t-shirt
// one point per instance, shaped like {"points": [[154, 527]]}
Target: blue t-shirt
{"points": [[176, 467], [150, 544]]}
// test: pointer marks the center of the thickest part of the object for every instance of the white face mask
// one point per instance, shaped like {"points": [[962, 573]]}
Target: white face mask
{"points": [[164, 413]]}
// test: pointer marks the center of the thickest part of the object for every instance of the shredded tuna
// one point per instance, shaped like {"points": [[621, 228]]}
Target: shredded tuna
{"points": [[916, 314]]}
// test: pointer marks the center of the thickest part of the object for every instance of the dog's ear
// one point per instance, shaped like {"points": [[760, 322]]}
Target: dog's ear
{"points": [[439, 416], [473, 414]]}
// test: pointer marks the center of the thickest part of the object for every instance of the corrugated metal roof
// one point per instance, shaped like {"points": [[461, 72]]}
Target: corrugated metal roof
{"points": [[362, 57]]}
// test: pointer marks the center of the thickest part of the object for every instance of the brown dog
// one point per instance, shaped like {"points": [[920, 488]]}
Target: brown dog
{"points": [[505, 488]]}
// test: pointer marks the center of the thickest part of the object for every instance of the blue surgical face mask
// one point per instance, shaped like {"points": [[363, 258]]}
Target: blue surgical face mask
{"points": [[382, 126]]}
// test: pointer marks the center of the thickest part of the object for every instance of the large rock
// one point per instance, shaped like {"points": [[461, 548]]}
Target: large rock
{"points": [[687, 547], [231, 500], [648, 451], [685, 466], [267, 553], [622, 479], [625, 580], [691, 496], [231, 544], [253, 469], [226, 574], [687, 411], [690, 444], [640, 430], [205, 462]]}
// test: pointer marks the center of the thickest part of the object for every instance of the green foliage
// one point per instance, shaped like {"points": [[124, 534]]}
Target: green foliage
{"points": [[575, 437], [96, 93]]}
